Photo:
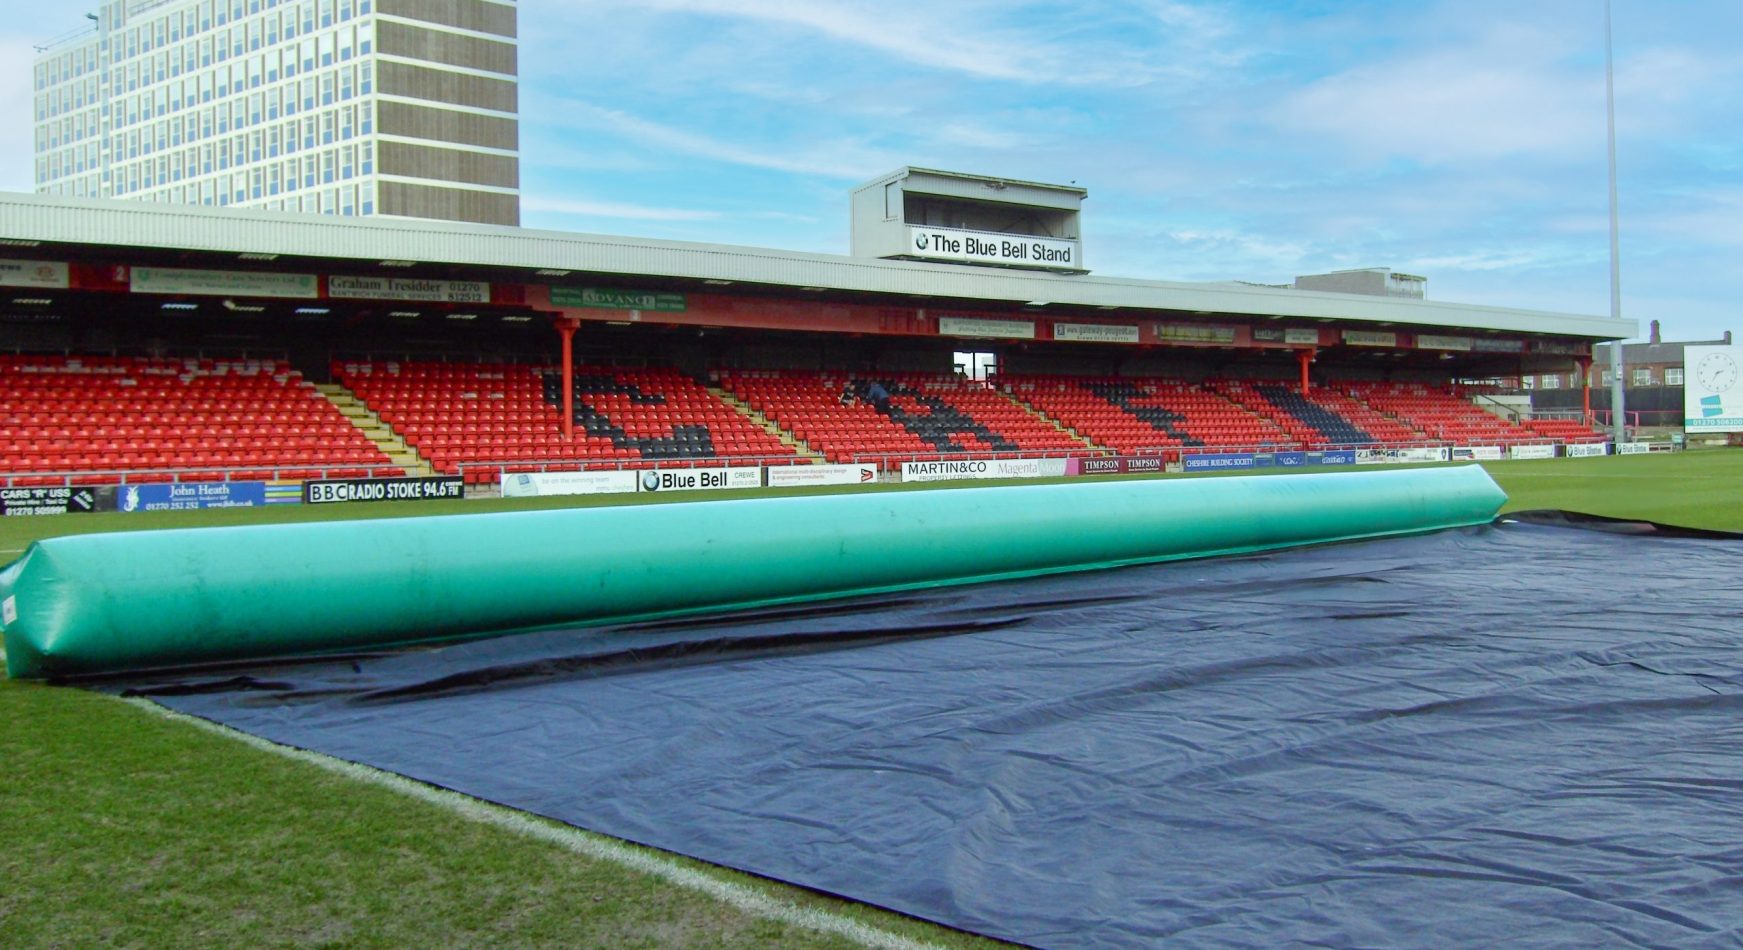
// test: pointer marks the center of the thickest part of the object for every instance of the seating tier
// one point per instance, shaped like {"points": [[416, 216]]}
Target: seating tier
{"points": [[888, 417], [483, 419], [1135, 415], [105, 419], [1440, 413]]}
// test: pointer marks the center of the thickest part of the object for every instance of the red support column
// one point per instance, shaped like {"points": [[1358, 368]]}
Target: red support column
{"points": [[566, 327], [1585, 365], [1306, 357]]}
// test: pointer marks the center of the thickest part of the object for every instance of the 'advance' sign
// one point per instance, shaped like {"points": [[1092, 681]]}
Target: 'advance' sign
{"points": [[985, 247], [599, 298]]}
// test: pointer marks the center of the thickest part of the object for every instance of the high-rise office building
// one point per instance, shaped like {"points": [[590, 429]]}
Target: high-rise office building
{"points": [[394, 107]]}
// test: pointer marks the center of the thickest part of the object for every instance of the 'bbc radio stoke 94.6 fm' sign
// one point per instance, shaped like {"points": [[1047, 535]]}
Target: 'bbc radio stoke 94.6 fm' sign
{"points": [[331, 491], [1712, 388]]}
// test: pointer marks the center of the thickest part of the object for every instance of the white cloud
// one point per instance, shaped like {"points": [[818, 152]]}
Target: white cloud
{"points": [[1226, 253], [1510, 90], [1712, 217], [1509, 259], [1030, 43], [840, 158], [913, 35], [612, 209], [1450, 107], [1661, 76], [17, 116], [965, 134]]}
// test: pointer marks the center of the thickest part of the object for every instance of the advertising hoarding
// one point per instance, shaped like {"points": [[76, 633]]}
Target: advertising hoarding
{"points": [[1531, 452], [1712, 389], [983, 468], [1095, 333], [988, 329], [989, 247], [402, 288], [223, 283], [46, 275], [799, 476], [700, 479], [335, 490], [184, 496], [51, 500], [532, 484]]}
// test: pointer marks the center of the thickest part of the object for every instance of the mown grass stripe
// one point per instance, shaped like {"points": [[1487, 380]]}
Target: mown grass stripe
{"points": [[745, 899]]}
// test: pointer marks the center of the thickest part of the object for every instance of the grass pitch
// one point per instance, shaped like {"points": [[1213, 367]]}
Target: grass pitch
{"points": [[132, 830]]}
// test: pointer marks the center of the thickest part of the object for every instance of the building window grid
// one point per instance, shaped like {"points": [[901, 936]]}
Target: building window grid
{"points": [[337, 84]]}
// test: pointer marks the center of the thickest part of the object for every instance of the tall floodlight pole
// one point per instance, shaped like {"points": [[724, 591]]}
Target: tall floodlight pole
{"points": [[1618, 412]]}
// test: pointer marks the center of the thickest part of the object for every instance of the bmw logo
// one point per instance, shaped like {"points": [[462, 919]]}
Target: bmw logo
{"points": [[650, 481], [920, 241]]}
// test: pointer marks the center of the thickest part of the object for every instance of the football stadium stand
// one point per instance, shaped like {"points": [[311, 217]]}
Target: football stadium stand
{"points": [[96, 420], [108, 419], [887, 418], [1441, 414], [1564, 430], [810, 406], [1137, 415], [662, 415], [484, 419], [458, 349]]}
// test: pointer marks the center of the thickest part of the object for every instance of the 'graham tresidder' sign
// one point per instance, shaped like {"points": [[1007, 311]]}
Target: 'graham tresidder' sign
{"points": [[400, 288], [985, 247]]}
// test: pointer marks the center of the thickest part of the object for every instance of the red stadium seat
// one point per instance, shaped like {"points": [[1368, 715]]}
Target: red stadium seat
{"points": [[192, 417]]}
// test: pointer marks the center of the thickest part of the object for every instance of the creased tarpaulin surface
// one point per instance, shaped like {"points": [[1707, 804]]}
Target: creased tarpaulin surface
{"points": [[1528, 734]]}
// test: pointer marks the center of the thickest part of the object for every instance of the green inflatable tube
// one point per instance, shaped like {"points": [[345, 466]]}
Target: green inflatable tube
{"points": [[133, 600]]}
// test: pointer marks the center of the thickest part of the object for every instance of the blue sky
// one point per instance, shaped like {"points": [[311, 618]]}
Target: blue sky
{"points": [[1458, 139]]}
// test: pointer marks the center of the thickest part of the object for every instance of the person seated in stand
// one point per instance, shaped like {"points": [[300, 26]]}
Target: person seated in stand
{"points": [[847, 396], [878, 396]]}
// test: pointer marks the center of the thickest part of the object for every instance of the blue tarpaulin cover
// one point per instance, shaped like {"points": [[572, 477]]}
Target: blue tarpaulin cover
{"points": [[1523, 734]]}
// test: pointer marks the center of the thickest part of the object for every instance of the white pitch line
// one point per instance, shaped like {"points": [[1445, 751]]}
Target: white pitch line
{"points": [[746, 899]]}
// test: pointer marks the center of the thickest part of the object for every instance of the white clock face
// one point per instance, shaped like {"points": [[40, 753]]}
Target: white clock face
{"points": [[1716, 372]]}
